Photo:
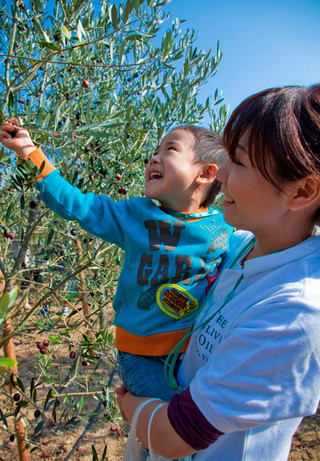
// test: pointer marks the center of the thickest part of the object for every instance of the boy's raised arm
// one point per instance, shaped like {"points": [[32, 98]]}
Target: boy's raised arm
{"points": [[92, 211]]}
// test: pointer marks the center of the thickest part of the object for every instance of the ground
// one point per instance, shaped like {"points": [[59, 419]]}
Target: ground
{"points": [[57, 441]]}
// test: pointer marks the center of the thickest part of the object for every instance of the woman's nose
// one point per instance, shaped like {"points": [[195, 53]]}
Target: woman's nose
{"points": [[222, 172]]}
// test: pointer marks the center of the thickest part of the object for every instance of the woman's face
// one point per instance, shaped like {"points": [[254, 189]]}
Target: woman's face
{"points": [[250, 201]]}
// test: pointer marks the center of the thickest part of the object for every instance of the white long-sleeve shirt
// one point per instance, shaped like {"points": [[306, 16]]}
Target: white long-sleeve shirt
{"points": [[253, 370]]}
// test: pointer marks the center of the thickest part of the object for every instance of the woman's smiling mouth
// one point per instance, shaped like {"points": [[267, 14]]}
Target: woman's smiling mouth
{"points": [[228, 200]]}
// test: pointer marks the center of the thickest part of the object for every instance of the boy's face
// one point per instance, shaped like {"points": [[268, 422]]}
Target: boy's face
{"points": [[170, 174]]}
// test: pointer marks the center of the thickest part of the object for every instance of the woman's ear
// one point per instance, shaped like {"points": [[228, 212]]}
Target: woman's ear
{"points": [[305, 193], [208, 174]]}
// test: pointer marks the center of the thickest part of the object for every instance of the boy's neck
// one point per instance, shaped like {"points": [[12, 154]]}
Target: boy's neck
{"points": [[200, 209], [185, 208]]}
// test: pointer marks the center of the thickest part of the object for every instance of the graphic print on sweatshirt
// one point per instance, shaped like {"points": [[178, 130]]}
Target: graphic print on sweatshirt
{"points": [[171, 292]]}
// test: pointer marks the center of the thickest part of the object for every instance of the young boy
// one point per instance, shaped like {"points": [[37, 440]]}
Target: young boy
{"points": [[172, 251]]}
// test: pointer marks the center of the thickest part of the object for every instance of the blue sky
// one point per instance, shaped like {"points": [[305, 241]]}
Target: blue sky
{"points": [[265, 43]]}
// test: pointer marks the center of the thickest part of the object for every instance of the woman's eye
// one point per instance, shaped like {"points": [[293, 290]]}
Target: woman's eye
{"points": [[236, 161]]}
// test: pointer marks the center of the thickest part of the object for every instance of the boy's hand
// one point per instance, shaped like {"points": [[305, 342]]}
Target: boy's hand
{"points": [[16, 138]]}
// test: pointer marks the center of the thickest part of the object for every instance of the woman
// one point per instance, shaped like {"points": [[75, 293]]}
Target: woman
{"points": [[252, 368]]}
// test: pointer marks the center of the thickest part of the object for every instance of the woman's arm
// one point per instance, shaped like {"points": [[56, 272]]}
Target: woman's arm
{"points": [[164, 439]]}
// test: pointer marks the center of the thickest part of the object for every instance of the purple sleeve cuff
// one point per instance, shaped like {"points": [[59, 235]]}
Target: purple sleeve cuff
{"points": [[188, 421]]}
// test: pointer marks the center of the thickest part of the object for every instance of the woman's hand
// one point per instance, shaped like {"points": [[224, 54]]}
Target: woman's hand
{"points": [[16, 138], [121, 391]]}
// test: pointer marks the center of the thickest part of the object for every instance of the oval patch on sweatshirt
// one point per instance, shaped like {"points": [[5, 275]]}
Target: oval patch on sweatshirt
{"points": [[175, 301]]}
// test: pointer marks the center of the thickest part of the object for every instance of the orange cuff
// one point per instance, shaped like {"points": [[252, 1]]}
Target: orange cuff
{"points": [[38, 157]]}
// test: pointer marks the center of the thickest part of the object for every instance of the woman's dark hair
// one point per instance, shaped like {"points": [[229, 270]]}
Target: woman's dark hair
{"points": [[283, 125]]}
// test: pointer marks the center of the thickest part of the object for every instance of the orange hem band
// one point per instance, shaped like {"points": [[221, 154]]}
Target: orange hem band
{"points": [[158, 344]]}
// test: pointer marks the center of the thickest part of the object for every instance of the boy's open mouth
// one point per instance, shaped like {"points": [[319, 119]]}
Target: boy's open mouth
{"points": [[155, 175]]}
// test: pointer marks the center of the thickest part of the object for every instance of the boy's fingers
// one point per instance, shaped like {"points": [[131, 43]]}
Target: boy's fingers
{"points": [[9, 130], [15, 121], [11, 127], [13, 133], [12, 122], [121, 390], [6, 125], [4, 133]]}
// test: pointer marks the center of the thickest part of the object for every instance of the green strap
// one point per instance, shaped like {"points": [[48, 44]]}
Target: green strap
{"points": [[174, 354]]}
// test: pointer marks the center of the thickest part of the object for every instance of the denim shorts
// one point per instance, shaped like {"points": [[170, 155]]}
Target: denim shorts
{"points": [[144, 375]]}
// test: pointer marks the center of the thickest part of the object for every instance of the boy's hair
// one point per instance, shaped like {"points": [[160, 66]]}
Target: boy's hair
{"points": [[208, 148]]}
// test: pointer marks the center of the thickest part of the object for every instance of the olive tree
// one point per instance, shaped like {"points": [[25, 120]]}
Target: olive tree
{"points": [[97, 84]]}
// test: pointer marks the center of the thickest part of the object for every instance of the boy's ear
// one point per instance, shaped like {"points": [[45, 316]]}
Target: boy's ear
{"points": [[306, 193], [208, 174]]}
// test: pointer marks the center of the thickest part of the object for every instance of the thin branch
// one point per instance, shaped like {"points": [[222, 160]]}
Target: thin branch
{"points": [[43, 298]]}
